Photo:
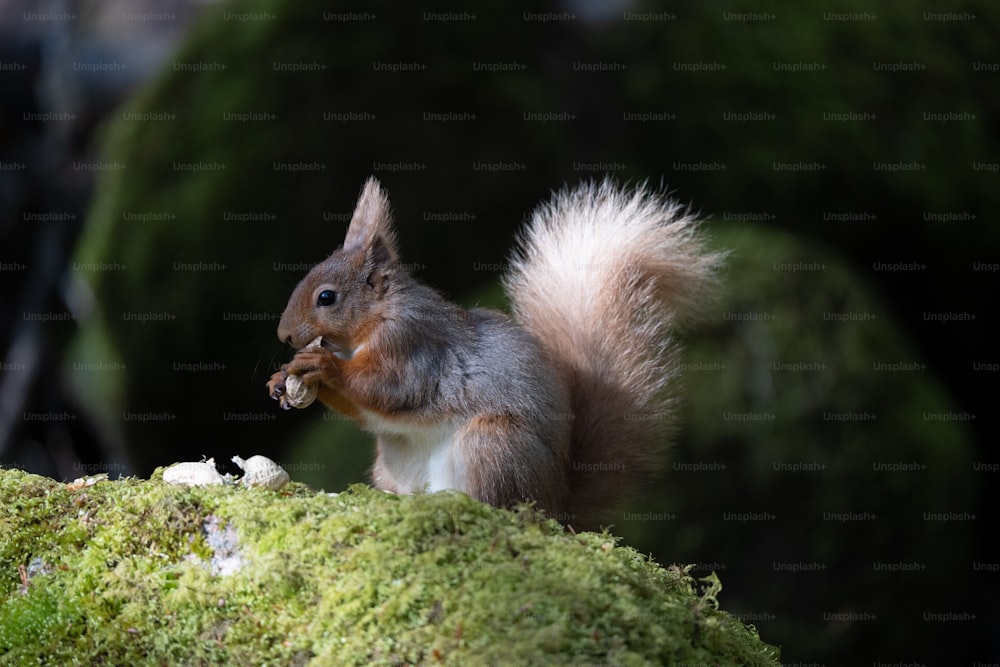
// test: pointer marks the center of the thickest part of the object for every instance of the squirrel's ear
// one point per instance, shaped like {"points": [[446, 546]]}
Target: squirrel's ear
{"points": [[370, 230]]}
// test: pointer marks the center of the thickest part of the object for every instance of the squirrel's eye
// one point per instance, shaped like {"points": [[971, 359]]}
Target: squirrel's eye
{"points": [[326, 298]]}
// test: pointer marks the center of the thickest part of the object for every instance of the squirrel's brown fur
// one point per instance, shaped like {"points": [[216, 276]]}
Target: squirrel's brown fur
{"points": [[568, 404]]}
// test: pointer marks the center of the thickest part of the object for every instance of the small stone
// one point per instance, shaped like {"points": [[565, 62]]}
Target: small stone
{"points": [[262, 472], [90, 480], [193, 473]]}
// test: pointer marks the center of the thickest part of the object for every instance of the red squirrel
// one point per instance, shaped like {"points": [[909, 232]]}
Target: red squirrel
{"points": [[567, 403]]}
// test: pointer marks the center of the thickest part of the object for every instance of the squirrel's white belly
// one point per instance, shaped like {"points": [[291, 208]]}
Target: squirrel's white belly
{"points": [[419, 457]]}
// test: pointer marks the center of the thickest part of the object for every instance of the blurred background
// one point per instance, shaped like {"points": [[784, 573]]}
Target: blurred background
{"points": [[170, 170]]}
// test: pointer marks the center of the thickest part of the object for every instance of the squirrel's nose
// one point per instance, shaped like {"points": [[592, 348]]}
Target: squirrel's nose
{"points": [[284, 335]]}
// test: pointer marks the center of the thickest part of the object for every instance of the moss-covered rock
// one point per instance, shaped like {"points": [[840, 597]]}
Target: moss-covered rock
{"points": [[135, 571]]}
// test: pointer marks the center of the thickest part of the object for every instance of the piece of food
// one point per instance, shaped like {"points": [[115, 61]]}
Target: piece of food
{"points": [[297, 393], [193, 473], [262, 472]]}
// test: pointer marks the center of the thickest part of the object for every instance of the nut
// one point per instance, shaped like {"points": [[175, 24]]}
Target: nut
{"points": [[297, 393], [260, 471], [193, 473]]}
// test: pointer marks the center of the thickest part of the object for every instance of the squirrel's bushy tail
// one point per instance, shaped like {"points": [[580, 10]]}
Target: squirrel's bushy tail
{"points": [[602, 278]]}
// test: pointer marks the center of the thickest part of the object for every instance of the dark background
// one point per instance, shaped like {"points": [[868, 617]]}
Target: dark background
{"points": [[150, 234]]}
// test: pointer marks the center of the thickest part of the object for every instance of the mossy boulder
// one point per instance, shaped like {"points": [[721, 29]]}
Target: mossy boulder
{"points": [[136, 571]]}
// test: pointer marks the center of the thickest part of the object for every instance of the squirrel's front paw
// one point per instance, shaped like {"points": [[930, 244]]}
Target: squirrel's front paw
{"points": [[276, 385], [313, 365], [277, 388], [297, 383], [291, 391]]}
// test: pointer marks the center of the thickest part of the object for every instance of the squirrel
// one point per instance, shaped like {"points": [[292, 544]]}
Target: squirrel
{"points": [[568, 403]]}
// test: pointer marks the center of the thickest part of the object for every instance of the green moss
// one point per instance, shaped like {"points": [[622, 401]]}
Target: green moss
{"points": [[136, 571]]}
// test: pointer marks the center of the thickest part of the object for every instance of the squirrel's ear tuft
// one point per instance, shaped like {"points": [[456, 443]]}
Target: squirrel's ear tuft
{"points": [[371, 226]]}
